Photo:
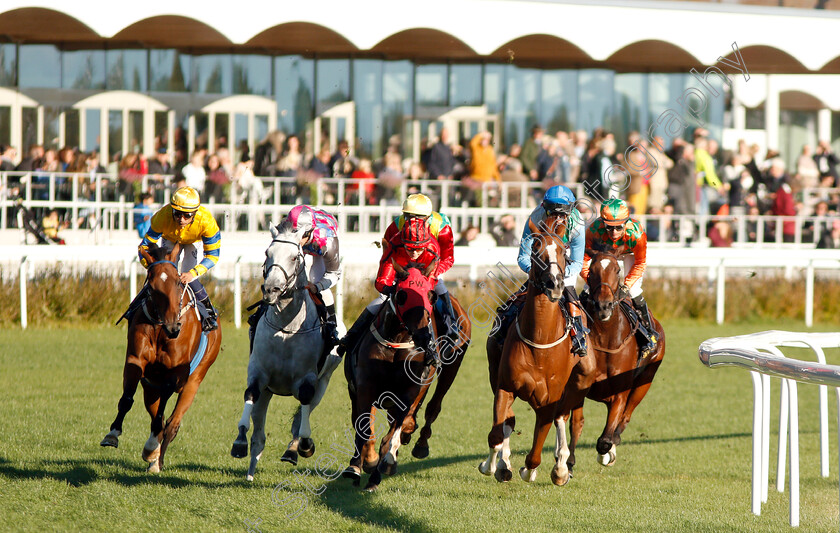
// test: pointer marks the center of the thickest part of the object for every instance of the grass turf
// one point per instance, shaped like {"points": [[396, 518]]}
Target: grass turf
{"points": [[683, 465]]}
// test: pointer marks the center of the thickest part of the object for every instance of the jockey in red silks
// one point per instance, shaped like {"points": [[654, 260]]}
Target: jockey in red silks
{"points": [[319, 239], [420, 206], [412, 246], [616, 232]]}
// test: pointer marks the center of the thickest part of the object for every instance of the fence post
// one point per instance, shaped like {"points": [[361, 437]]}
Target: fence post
{"points": [[721, 291], [22, 276], [237, 292], [809, 294]]}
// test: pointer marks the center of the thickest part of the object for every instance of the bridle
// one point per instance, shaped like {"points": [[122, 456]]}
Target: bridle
{"points": [[288, 279], [156, 319]]}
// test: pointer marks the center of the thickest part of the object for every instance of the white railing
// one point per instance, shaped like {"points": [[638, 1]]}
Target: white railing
{"points": [[478, 261], [103, 202], [761, 354]]}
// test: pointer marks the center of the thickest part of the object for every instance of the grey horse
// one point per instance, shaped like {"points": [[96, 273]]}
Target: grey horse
{"points": [[286, 354]]}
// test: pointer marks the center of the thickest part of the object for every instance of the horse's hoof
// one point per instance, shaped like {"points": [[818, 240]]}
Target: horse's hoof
{"points": [[249, 477], [290, 457], [370, 487], [503, 475], [370, 467], [405, 438], [239, 450], [607, 459], [420, 452], [560, 479], [388, 469], [353, 473], [484, 469], [306, 447], [151, 456], [154, 467], [110, 440], [528, 475]]}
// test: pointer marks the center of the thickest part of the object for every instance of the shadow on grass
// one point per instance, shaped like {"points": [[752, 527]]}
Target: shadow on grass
{"points": [[79, 473]]}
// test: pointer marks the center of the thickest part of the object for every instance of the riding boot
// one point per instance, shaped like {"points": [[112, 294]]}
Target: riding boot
{"points": [[348, 342], [328, 324], [253, 320], [647, 330], [210, 322], [447, 311], [578, 331]]}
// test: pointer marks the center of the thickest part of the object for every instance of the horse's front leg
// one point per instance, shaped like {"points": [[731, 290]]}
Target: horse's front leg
{"points": [[561, 472], [528, 473], [606, 442], [309, 395], [499, 438], [155, 399], [132, 372], [258, 436]]}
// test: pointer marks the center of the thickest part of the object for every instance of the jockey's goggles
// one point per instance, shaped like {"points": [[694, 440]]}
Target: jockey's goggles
{"points": [[182, 214], [615, 225], [552, 209]]}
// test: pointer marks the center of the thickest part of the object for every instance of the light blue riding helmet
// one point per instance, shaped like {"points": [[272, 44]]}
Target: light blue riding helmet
{"points": [[558, 200]]}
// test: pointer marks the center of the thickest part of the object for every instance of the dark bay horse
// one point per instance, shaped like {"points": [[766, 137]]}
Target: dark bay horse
{"points": [[619, 379], [167, 352], [534, 364], [386, 372]]}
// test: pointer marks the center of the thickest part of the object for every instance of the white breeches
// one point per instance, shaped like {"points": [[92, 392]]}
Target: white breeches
{"points": [[188, 256]]}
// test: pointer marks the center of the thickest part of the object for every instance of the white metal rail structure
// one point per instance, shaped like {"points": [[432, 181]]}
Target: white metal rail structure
{"points": [[761, 354]]}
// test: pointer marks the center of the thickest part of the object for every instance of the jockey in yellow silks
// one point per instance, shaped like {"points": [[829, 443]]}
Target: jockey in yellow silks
{"points": [[185, 221]]}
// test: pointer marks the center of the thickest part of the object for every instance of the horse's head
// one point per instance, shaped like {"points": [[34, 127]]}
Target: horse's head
{"points": [[167, 291], [413, 301], [604, 280], [284, 263], [548, 257]]}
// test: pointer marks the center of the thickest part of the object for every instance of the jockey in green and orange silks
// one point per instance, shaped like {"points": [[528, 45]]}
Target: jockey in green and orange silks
{"points": [[616, 232]]}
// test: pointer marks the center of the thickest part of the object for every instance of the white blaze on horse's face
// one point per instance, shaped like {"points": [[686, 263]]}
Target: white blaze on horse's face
{"points": [[163, 277], [605, 263], [553, 269]]}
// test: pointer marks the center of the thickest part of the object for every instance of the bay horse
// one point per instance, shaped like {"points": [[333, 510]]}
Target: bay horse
{"points": [[167, 352], [535, 363], [620, 378], [286, 359], [386, 372]]}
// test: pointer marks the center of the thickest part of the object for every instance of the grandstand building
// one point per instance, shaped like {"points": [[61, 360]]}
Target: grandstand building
{"points": [[125, 78]]}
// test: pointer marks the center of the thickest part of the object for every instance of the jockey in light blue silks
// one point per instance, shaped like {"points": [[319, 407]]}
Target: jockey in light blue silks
{"points": [[558, 202]]}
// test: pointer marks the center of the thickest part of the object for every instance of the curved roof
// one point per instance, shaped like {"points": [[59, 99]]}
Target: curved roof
{"points": [[695, 33]]}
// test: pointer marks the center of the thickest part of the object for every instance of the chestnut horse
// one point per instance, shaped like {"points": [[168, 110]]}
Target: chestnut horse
{"points": [[386, 372], [167, 352], [620, 379], [535, 363]]}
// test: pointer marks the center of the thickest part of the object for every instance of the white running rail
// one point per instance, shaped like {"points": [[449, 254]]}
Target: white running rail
{"points": [[760, 353]]}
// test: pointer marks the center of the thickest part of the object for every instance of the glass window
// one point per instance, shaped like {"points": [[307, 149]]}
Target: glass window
{"points": [[6, 126], [397, 98], [213, 74], [83, 69], [221, 125], [430, 85], [494, 87], [51, 115], [71, 128], [595, 98], [170, 71], [521, 99], [8, 64], [92, 129], [202, 124], [115, 128], [333, 77], [835, 131], [559, 100], [663, 92], [367, 93], [40, 66], [465, 85], [29, 116], [630, 106], [796, 129], [126, 70], [251, 74], [294, 82]]}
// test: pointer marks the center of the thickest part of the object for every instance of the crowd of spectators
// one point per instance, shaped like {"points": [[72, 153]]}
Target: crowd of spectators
{"points": [[687, 178]]}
